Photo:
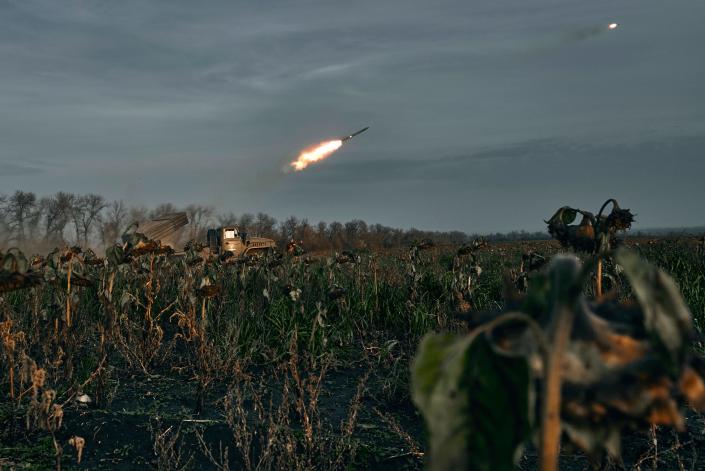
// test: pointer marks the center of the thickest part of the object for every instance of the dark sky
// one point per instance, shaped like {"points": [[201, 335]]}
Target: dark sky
{"points": [[485, 115]]}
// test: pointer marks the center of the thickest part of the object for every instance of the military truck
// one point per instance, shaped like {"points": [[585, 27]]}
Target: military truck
{"points": [[230, 240], [223, 241]]}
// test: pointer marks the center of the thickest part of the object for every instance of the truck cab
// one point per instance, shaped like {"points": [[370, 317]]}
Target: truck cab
{"points": [[230, 239]]}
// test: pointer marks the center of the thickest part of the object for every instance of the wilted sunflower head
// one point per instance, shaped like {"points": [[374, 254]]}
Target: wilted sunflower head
{"points": [[558, 224], [586, 229], [580, 237], [619, 219]]}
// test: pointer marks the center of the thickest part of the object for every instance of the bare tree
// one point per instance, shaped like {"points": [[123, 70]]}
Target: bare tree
{"points": [[288, 228], [95, 204], [4, 223], [85, 214], [199, 218], [23, 216], [246, 222], [336, 235], [57, 211], [163, 209], [304, 231], [137, 213], [322, 241], [265, 225], [228, 219], [114, 222]]}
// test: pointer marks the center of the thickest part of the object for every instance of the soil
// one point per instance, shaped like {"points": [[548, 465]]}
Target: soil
{"points": [[121, 435]]}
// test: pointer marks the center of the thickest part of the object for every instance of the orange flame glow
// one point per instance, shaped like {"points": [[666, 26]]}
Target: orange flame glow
{"points": [[315, 154]]}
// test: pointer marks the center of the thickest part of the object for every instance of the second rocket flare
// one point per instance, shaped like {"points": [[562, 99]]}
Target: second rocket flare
{"points": [[346, 138]]}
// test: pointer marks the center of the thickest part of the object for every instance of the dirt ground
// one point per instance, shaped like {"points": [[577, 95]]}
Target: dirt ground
{"points": [[122, 435]]}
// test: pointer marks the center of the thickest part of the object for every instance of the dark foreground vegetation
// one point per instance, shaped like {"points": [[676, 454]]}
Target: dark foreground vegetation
{"points": [[146, 360]]}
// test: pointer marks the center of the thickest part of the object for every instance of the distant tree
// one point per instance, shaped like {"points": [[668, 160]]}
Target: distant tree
{"points": [[4, 224], [95, 204], [23, 215], [288, 228], [321, 229], [457, 238], [163, 209], [228, 219], [336, 236], [265, 225], [246, 222], [200, 217], [137, 213], [86, 213], [305, 232], [322, 241], [114, 222], [356, 233], [57, 214], [394, 238], [26, 220]]}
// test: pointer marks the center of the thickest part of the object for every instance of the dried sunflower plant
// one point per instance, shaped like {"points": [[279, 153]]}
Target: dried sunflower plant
{"points": [[595, 235], [554, 363]]}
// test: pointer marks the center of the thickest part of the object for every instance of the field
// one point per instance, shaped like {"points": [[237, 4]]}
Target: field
{"points": [[150, 361]]}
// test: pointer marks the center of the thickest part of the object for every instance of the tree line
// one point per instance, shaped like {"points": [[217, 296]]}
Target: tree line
{"points": [[35, 223]]}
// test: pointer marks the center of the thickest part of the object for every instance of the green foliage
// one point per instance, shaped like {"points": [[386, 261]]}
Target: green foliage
{"points": [[686, 264], [475, 402], [666, 315]]}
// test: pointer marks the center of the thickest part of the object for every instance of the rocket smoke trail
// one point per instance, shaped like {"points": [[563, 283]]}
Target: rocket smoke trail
{"points": [[320, 151], [583, 34]]}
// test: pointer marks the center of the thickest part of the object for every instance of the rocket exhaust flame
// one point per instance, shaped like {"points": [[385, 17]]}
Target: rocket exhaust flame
{"points": [[320, 152]]}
